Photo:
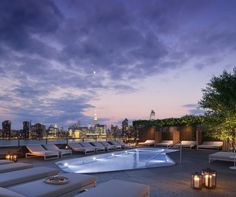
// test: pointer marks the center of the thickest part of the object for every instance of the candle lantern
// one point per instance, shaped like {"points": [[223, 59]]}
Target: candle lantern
{"points": [[12, 157], [209, 178], [197, 180]]}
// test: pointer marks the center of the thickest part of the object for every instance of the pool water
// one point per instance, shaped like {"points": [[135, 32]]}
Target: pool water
{"points": [[121, 160]]}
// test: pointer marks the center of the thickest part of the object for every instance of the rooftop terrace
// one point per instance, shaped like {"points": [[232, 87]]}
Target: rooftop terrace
{"points": [[171, 181]]}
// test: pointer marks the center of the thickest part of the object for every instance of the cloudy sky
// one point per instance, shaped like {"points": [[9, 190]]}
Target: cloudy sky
{"points": [[62, 60]]}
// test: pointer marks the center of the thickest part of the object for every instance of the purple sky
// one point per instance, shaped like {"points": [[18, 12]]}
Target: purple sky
{"points": [[60, 61]]}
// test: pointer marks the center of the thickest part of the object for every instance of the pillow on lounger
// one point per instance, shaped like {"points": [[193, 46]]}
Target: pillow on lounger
{"points": [[8, 193]]}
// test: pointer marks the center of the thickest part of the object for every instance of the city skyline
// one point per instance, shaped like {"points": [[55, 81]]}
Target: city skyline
{"points": [[61, 61]]}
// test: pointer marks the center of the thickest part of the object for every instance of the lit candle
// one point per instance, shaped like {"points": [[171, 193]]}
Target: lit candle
{"points": [[196, 181]]}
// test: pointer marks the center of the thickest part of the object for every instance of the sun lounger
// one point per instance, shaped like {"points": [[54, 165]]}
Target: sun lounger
{"points": [[20, 176], [97, 148], [39, 151], [62, 152], [123, 145], [14, 166], [38, 188], [116, 144], [147, 143], [222, 156], [4, 161], [107, 145], [4, 192], [186, 144], [76, 147], [210, 145], [97, 144], [166, 143], [117, 188]]}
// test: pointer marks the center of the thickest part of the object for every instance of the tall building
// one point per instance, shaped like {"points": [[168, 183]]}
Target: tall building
{"points": [[125, 125], [152, 115], [95, 119], [53, 130], [6, 129], [26, 130], [38, 130]]}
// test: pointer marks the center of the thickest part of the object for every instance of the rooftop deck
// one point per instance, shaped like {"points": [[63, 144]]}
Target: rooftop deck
{"points": [[174, 180]]}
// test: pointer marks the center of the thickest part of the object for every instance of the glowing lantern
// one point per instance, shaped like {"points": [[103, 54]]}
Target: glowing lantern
{"points": [[196, 181], [209, 178]]}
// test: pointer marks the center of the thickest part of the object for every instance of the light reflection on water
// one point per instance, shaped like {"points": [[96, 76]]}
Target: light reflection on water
{"points": [[122, 160]]}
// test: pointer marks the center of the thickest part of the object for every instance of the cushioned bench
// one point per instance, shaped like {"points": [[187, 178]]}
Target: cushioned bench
{"points": [[210, 145], [4, 161], [186, 144], [14, 166], [222, 156], [147, 143], [117, 188], [38, 188], [20, 176], [166, 143]]}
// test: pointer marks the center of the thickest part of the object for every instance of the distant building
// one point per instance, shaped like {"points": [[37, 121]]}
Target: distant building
{"points": [[125, 125], [26, 130], [53, 130], [152, 115], [100, 130], [38, 130], [6, 129]]}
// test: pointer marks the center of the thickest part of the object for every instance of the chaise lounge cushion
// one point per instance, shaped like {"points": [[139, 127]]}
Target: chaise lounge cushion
{"points": [[8, 193], [38, 188], [222, 156], [117, 188], [13, 178], [14, 166], [211, 144], [4, 161]]}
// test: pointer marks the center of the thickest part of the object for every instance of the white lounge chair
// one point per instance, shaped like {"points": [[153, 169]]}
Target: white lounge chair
{"points": [[39, 151], [123, 145], [147, 143], [97, 144], [186, 144], [21, 176], [107, 145], [76, 147], [97, 148], [4, 161], [38, 188], [62, 152], [116, 144], [14, 166], [166, 143], [117, 188], [222, 156], [210, 145]]}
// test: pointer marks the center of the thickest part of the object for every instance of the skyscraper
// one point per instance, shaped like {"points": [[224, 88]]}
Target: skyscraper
{"points": [[6, 129], [26, 129]]}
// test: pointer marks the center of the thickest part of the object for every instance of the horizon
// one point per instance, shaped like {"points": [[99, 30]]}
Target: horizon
{"points": [[63, 61]]}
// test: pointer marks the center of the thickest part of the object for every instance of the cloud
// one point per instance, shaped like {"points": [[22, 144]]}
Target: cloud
{"points": [[194, 109], [50, 45]]}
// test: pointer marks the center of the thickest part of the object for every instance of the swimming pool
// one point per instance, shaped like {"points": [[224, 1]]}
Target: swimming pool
{"points": [[122, 160]]}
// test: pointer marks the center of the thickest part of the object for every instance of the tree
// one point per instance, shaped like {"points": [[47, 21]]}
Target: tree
{"points": [[219, 99]]}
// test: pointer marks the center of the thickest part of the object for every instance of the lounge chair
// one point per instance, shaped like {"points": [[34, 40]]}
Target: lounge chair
{"points": [[166, 143], [97, 144], [38, 188], [107, 145], [210, 145], [147, 143], [14, 166], [39, 151], [76, 147], [186, 144], [222, 156], [116, 144], [20, 176], [4, 161], [97, 148], [62, 152], [123, 145], [118, 188]]}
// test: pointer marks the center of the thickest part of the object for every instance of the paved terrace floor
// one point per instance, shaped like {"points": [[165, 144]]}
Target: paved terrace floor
{"points": [[171, 181]]}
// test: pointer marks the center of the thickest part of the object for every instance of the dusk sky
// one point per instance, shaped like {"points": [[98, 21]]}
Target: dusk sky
{"points": [[62, 60]]}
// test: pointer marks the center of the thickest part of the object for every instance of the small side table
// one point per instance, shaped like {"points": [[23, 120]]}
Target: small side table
{"points": [[233, 167]]}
